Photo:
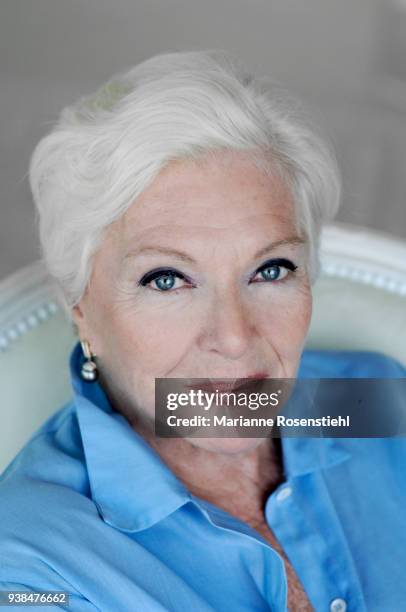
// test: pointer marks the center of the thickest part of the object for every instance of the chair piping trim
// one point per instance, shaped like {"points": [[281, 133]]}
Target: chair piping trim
{"points": [[365, 277], [25, 324]]}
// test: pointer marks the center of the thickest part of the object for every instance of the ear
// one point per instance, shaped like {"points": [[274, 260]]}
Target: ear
{"points": [[81, 320], [83, 317]]}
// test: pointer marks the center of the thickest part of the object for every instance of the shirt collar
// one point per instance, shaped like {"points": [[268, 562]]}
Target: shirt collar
{"points": [[130, 484], [305, 455]]}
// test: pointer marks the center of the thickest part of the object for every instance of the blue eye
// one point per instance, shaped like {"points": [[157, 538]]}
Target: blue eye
{"points": [[165, 282], [276, 269], [164, 279]]}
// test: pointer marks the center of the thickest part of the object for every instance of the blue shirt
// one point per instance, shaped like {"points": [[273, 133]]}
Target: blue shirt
{"points": [[89, 508]]}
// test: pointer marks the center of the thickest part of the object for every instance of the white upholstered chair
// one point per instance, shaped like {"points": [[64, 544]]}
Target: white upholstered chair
{"points": [[359, 303]]}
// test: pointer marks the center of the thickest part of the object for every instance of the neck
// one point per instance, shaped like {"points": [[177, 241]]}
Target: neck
{"points": [[238, 483]]}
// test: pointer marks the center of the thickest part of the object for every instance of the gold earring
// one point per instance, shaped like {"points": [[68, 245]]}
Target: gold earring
{"points": [[89, 369]]}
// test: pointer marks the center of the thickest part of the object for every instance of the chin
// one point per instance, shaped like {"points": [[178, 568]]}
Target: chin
{"points": [[226, 446]]}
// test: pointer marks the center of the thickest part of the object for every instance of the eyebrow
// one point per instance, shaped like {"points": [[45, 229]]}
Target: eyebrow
{"points": [[294, 240]]}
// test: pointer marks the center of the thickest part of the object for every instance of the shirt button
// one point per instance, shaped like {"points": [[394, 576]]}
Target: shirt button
{"points": [[338, 605], [284, 493]]}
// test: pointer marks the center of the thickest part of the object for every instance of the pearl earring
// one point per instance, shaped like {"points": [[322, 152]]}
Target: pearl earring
{"points": [[89, 369]]}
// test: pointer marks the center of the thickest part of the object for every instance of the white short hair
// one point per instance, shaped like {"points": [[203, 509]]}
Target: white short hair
{"points": [[108, 147]]}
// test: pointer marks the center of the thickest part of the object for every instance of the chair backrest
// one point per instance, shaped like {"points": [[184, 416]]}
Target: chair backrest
{"points": [[359, 304], [360, 298]]}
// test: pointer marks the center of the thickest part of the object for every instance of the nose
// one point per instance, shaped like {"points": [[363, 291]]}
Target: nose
{"points": [[229, 327]]}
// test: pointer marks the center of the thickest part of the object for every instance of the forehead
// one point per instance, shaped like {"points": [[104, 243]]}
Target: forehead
{"points": [[227, 193]]}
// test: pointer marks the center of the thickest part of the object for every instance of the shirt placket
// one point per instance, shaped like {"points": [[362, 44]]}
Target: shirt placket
{"points": [[303, 518]]}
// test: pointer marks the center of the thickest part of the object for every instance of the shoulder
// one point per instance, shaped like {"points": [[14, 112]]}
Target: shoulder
{"points": [[45, 504], [44, 532], [349, 364]]}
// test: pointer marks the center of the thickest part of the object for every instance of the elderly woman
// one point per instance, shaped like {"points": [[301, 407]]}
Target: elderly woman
{"points": [[180, 209]]}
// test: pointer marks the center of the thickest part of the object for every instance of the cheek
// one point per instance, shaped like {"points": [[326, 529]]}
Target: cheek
{"points": [[155, 338], [285, 317]]}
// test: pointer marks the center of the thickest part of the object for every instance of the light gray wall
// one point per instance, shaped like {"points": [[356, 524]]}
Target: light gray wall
{"points": [[346, 59]]}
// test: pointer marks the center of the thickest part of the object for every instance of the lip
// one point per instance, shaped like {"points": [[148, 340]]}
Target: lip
{"points": [[227, 384]]}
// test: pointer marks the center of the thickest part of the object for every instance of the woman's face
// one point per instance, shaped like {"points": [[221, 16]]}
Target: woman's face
{"points": [[185, 285]]}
